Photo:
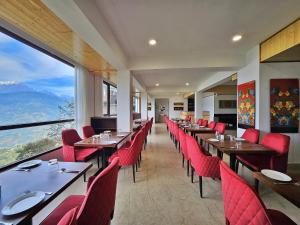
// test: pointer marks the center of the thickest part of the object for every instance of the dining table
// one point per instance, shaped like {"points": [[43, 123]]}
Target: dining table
{"points": [[196, 129], [288, 190], [233, 147], [51, 179], [108, 143]]}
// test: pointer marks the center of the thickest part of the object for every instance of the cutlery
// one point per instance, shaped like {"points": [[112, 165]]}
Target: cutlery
{"points": [[19, 169], [64, 170], [48, 192], [295, 183]]}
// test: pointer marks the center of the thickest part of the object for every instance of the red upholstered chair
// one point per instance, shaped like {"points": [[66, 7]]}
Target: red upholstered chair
{"points": [[88, 131], [129, 156], [251, 135], [204, 123], [242, 206], [69, 218], [199, 121], [96, 207], [203, 164], [184, 149], [212, 125], [220, 127], [280, 144], [70, 154], [176, 135], [188, 118]]}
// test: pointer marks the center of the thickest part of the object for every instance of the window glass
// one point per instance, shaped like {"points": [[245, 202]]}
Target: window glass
{"points": [[105, 99], [34, 87], [113, 100]]}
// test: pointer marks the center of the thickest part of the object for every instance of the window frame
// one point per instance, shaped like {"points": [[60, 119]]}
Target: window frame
{"points": [[108, 97], [40, 123]]}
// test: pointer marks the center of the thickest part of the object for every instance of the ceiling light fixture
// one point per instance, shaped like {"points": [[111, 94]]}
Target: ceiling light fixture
{"points": [[152, 42], [157, 84], [237, 37], [187, 84]]}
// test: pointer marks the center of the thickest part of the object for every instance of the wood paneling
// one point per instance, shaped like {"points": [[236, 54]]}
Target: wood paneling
{"points": [[281, 46], [35, 19], [223, 90]]}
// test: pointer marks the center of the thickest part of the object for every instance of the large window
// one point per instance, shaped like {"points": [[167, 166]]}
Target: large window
{"points": [[109, 98], [36, 99]]}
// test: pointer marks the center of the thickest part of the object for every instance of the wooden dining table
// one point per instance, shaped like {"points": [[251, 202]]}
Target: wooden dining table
{"points": [[288, 190], [193, 130], [109, 144], [232, 149], [43, 178]]}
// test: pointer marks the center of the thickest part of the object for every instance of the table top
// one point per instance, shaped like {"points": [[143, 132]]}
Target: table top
{"points": [[290, 191], [113, 141], [230, 147], [41, 178], [199, 130]]}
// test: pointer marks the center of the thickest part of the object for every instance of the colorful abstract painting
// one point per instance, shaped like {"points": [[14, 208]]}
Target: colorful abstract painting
{"points": [[246, 105], [284, 105]]}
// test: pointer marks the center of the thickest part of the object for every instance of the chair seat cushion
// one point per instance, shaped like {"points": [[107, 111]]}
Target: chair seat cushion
{"points": [[63, 208], [85, 154], [278, 218], [255, 162]]}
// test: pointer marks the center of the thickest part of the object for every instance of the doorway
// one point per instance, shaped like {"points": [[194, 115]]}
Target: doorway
{"points": [[161, 109]]}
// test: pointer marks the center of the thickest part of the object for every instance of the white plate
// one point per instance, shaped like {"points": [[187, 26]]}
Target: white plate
{"points": [[213, 140], [29, 164], [23, 202], [276, 175], [240, 139]]}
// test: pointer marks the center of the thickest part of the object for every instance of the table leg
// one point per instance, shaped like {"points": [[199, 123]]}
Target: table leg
{"points": [[232, 161]]}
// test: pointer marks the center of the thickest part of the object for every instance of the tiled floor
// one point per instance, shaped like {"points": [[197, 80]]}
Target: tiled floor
{"points": [[163, 194]]}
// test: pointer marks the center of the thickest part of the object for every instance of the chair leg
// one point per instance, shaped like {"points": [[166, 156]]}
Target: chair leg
{"points": [[188, 168], [200, 186], [192, 174], [136, 167], [84, 177], [98, 161], [182, 160], [237, 166], [256, 185], [227, 222], [133, 172]]}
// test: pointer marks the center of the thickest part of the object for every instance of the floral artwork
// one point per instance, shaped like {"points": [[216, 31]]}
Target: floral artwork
{"points": [[284, 105], [246, 105]]}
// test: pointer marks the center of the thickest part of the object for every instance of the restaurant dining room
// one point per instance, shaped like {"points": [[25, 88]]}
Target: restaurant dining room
{"points": [[136, 112]]}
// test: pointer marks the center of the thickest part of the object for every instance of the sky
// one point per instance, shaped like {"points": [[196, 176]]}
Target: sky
{"points": [[20, 63]]}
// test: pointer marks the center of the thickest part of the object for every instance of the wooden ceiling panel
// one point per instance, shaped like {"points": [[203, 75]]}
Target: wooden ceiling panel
{"points": [[35, 19]]}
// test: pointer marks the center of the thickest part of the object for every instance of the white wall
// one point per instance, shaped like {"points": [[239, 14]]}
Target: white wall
{"points": [[272, 71], [208, 104], [224, 97], [151, 113], [248, 73], [176, 114]]}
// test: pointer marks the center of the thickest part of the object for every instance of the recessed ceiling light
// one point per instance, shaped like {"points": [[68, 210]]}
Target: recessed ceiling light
{"points": [[187, 84], [157, 84], [152, 42], [177, 93], [237, 37]]}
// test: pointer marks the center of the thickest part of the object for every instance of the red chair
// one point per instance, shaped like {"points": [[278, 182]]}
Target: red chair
{"points": [[204, 123], [70, 154], [184, 150], [251, 135], [88, 131], [129, 156], [199, 121], [69, 218], [220, 127], [97, 206], [242, 206], [212, 125], [203, 164], [188, 118]]}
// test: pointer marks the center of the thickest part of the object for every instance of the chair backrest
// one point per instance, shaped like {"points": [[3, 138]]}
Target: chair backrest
{"points": [[199, 121], [212, 125], [188, 118], [204, 123], [251, 135], [70, 137], [183, 145], [220, 127], [279, 143], [69, 218], [242, 206], [176, 132], [88, 131], [98, 205]]}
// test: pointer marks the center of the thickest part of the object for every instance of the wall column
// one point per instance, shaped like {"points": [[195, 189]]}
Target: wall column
{"points": [[124, 106], [98, 96], [198, 105], [144, 102]]}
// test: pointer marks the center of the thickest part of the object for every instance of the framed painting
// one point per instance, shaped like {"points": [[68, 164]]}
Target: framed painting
{"points": [[246, 105], [284, 105]]}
